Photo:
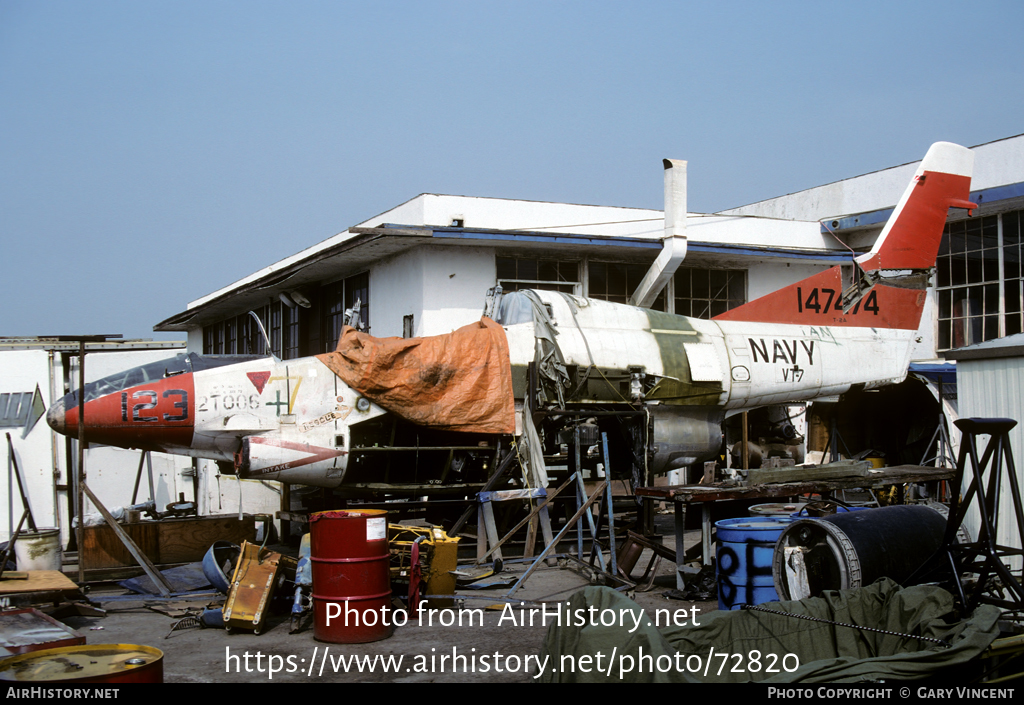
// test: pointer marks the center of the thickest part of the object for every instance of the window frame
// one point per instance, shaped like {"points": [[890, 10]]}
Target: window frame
{"points": [[990, 248]]}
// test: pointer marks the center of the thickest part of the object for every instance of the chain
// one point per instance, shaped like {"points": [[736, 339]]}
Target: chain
{"points": [[758, 608]]}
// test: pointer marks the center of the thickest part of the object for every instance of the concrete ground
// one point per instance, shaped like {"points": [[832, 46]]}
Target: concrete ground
{"points": [[490, 645]]}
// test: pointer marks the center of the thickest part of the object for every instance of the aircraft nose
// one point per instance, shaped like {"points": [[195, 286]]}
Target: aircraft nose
{"points": [[154, 415], [56, 417]]}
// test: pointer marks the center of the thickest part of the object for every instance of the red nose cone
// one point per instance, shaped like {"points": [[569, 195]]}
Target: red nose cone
{"points": [[154, 416]]}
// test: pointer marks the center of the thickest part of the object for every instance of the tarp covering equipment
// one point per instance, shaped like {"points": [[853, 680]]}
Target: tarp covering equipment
{"points": [[461, 381]]}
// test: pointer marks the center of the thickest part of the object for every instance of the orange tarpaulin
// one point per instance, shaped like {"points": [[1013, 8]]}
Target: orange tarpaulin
{"points": [[461, 381]]}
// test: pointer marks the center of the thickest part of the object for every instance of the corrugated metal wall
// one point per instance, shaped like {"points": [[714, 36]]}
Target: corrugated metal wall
{"points": [[995, 388]]}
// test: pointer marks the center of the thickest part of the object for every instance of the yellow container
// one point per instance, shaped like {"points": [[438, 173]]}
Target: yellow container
{"points": [[86, 663]]}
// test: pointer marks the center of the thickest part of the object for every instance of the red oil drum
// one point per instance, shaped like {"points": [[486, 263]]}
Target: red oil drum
{"points": [[86, 663], [351, 580]]}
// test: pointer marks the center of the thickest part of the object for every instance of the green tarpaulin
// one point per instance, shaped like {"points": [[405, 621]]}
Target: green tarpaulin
{"points": [[743, 646]]}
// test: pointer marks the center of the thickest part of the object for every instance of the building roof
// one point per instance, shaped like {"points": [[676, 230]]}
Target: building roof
{"points": [[627, 234], [93, 343], [787, 227], [998, 164]]}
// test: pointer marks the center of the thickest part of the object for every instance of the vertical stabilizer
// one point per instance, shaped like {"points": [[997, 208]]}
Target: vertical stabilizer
{"points": [[886, 287], [911, 237]]}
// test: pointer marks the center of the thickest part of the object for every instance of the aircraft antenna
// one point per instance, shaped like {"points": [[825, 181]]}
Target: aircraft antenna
{"points": [[263, 332], [830, 232]]}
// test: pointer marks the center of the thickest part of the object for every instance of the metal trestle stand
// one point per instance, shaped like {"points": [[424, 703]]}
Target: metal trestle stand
{"points": [[985, 558]]}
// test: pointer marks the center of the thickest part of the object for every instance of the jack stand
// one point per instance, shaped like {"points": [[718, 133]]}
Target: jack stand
{"points": [[996, 585], [943, 457]]}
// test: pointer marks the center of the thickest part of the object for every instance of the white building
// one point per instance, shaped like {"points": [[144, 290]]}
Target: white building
{"points": [[424, 267]]}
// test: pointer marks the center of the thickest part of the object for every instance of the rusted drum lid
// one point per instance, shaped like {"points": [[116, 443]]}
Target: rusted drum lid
{"points": [[87, 663]]}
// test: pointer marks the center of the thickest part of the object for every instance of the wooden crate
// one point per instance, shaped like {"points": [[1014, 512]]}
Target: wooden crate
{"points": [[169, 541]]}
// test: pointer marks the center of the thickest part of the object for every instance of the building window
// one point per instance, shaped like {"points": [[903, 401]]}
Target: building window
{"points": [[275, 328], [357, 289], [230, 329], [705, 293], [15, 409], [516, 273], [251, 340], [291, 343], [978, 280], [332, 298], [616, 282], [241, 335], [338, 301], [1013, 272]]}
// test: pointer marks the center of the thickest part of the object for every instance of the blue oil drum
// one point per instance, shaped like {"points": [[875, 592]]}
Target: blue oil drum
{"points": [[745, 548]]}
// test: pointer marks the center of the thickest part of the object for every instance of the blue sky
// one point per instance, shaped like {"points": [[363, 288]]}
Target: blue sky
{"points": [[152, 152]]}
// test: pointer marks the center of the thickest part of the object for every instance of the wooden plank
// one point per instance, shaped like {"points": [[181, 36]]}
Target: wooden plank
{"points": [[895, 475], [103, 549], [137, 554], [188, 540], [39, 581], [843, 468], [165, 542]]}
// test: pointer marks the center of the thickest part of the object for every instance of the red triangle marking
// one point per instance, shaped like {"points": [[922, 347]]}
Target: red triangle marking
{"points": [[258, 379]]}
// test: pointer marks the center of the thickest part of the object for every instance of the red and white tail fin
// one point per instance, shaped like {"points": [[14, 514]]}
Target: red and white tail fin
{"points": [[908, 244]]}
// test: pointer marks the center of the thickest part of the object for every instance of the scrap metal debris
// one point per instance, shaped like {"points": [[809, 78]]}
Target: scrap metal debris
{"points": [[703, 587]]}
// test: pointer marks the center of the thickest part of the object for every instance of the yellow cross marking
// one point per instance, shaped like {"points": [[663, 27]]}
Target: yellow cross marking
{"points": [[295, 392]]}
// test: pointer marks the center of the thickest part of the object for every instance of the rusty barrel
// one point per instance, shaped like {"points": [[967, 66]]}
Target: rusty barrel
{"points": [[351, 580], [86, 663]]}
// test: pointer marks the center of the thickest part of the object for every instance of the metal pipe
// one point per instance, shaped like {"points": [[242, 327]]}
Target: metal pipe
{"points": [[21, 486], [584, 412], [673, 250], [80, 532], [746, 451]]}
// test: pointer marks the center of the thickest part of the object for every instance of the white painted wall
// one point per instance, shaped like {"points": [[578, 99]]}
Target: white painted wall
{"points": [[767, 276], [220, 494], [195, 340], [458, 281], [505, 214], [998, 163], [21, 371], [758, 232], [396, 290], [442, 287]]}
